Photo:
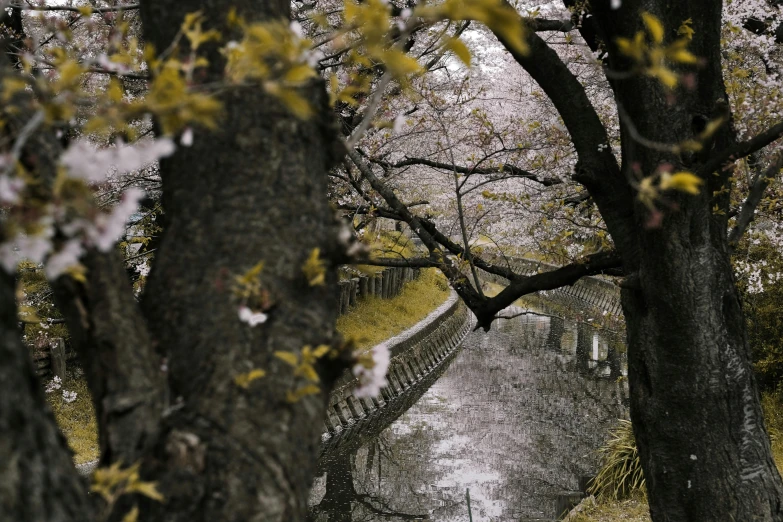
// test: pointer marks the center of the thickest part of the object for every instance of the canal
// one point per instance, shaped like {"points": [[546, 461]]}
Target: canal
{"points": [[515, 419]]}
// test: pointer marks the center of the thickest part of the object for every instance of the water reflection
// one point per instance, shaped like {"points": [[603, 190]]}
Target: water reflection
{"points": [[516, 418]]}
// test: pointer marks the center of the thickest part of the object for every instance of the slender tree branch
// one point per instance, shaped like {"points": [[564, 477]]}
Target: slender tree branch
{"points": [[564, 276], [756, 193], [33, 7], [739, 151], [597, 168], [506, 168]]}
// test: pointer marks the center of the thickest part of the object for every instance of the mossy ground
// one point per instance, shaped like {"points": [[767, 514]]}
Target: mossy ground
{"points": [[76, 419], [377, 319], [370, 323], [633, 509]]}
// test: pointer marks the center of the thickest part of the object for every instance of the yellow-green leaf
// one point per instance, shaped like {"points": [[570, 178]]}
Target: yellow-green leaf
{"points": [[132, 515], [299, 73], [148, 489], [295, 396], [243, 380], [314, 268], [459, 49], [288, 358], [308, 372], [321, 350], [682, 181], [666, 77], [686, 29], [654, 27]]}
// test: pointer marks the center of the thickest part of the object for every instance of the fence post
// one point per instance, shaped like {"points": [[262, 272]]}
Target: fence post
{"points": [[57, 352], [363, 286], [353, 288]]}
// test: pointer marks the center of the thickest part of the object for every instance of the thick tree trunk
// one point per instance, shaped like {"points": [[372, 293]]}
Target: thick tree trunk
{"points": [[252, 191], [694, 403], [37, 478]]}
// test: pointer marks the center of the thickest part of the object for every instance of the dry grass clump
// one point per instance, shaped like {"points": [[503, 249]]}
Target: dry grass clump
{"points": [[376, 320], [620, 474], [76, 419], [772, 404]]}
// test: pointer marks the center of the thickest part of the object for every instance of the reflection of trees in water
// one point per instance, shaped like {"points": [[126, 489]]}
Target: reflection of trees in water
{"points": [[357, 489], [516, 418]]}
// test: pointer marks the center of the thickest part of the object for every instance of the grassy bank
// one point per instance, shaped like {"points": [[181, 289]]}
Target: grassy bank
{"points": [[76, 419], [369, 323], [375, 319]]}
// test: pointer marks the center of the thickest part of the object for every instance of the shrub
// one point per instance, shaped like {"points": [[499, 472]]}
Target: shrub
{"points": [[620, 474]]}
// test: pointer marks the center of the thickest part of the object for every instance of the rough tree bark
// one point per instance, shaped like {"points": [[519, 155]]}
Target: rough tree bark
{"points": [[694, 403], [37, 478], [255, 190], [252, 191]]}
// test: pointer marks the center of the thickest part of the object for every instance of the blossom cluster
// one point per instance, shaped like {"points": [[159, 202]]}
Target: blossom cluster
{"points": [[371, 371]]}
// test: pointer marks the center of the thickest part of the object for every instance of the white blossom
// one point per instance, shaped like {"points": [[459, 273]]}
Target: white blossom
{"points": [[10, 188], [371, 380], [54, 384], [399, 124], [143, 269], [246, 315], [314, 57], [59, 262], [104, 231], [69, 396], [186, 140], [108, 64], [33, 248], [85, 161], [296, 28]]}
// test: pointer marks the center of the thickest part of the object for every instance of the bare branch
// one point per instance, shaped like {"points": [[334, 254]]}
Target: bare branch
{"points": [[564, 276], [756, 193], [728, 156], [32, 7], [506, 168]]}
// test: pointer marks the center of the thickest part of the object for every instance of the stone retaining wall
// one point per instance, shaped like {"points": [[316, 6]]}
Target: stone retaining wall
{"points": [[591, 291], [419, 356]]}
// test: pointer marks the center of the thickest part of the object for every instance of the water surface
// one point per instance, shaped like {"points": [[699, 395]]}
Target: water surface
{"points": [[515, 419]]}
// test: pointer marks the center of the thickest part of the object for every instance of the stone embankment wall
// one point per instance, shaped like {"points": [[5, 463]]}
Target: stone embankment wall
{"points": [[593, 292], [419, 357]]}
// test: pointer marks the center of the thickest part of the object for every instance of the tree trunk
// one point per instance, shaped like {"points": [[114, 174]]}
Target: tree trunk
{"points": [[252, 191], [694, 402], [37, 478]]}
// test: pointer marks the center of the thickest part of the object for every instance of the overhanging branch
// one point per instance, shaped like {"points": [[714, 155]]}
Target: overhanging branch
{"points": [[507, 169], [564, 276]]}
